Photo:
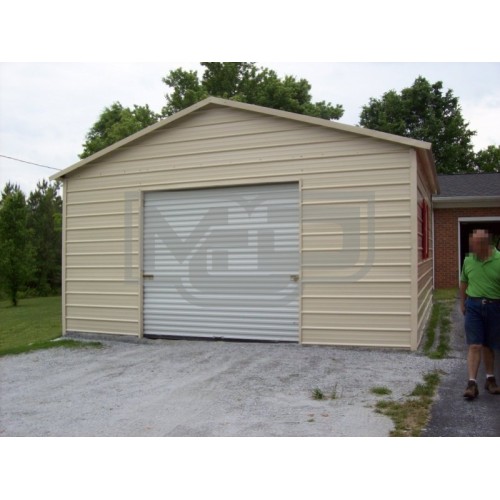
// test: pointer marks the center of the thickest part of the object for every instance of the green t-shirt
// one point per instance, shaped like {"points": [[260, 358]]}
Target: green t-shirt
{"points": [[482, 277]]}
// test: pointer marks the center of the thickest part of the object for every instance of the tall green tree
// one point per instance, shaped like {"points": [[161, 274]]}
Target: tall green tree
{"points": [[426, 112], [245, 82], [45, 225], [488, 160], [187, 90], [115, 123], [15, 249]]}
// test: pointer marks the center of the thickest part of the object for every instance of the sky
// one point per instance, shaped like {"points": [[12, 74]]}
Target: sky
{"points": [[60, 67], [46, 109]]}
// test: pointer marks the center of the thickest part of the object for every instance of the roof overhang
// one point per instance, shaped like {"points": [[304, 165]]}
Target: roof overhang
{"points": [[466, 201], [426, 159], [423, 148]]}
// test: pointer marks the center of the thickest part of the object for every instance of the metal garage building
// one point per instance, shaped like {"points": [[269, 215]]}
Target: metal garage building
{"points": [[228, 220]]}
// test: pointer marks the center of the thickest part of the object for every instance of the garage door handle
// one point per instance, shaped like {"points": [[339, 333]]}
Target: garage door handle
{"points": [[148, 276], [294, 277]]}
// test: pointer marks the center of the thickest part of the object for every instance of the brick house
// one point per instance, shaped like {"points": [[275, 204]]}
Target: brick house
{"points": [[465, 202]]}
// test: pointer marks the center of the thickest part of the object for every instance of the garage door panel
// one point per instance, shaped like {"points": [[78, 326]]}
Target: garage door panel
{"points": [[222, 263]]}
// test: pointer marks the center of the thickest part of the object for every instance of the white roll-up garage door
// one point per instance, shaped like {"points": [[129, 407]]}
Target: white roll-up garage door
{"points": [[222, 263]]}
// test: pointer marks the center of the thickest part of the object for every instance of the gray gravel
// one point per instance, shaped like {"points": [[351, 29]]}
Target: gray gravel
{"points": [[203, 388]]}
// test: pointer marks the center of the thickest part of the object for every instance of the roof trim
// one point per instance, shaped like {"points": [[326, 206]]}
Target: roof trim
{"points": [[465, 201], [405, 141], [427, 160]]}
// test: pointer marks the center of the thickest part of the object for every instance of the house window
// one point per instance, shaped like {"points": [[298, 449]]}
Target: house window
{"points": [[425, 229]]}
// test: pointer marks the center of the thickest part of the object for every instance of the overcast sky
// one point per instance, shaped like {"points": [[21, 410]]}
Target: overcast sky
{"points": [[47, 108]]}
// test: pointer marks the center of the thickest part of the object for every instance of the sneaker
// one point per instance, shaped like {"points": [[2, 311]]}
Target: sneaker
{"points": [[491, 386], [472, 391]]}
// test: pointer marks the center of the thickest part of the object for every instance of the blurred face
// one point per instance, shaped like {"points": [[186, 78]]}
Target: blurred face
{"points": [[479, 242]]}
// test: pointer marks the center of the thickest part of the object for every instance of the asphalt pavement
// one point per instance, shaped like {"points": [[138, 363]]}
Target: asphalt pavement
{"points": [[454, 416]]}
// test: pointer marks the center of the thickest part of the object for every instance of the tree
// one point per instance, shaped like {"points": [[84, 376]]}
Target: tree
{"points": [[15, 250], [116, 123], [44, 223], [187, 91], [239, 81], [488, 160], [244, 82], [423, 111]]}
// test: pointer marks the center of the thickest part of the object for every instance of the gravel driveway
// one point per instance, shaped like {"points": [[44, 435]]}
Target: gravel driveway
{"points": [[203, 388]]}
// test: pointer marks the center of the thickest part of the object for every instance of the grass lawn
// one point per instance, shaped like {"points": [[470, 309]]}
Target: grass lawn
{"points": [[445, 293], [33, 324]]}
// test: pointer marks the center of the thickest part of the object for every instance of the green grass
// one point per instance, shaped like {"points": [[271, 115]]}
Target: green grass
{"points": [[34, 324], [427, 389], [410, 416], [445, 294], [437, 334]]}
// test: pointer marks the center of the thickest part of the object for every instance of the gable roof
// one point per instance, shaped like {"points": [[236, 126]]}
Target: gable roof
{"points": [[423, 148], [468, 189]]}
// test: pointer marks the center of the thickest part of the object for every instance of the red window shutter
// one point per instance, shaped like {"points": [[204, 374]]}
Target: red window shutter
{"points": [[425, 229]]}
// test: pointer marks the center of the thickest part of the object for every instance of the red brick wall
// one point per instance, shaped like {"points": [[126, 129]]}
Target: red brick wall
{"points": [[446, 242]]}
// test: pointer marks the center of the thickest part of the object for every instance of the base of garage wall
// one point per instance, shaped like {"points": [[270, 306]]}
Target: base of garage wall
{"points": [[133, 339], [98, 337]]}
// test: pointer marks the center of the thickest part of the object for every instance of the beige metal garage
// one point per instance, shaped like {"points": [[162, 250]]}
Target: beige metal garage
{"points": [[229, 220]]}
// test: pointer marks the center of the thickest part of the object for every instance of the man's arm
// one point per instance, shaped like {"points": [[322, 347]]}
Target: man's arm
{"points": [[463, 296]]}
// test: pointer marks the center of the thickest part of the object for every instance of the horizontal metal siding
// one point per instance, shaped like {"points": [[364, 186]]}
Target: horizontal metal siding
{"points": [[425, 267], [101, 262], [259, 165], [355, 336], [91, 324], [218, 263], [246, 148], [356, 244]]}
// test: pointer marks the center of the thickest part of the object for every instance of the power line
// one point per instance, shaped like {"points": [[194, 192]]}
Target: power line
{"points": [[30, 162]]}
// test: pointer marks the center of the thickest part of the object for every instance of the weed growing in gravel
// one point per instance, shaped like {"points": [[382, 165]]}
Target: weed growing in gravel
{"points": [[334, 394], [318, 394], [381, 391], [428, 389], [410, 416]]}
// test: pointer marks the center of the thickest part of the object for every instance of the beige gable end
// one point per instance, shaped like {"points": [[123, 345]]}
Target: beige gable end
{"points": [[357, 192]]}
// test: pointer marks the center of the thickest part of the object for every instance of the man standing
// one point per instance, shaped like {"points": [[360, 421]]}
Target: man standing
{"points": [[480, 300]]}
